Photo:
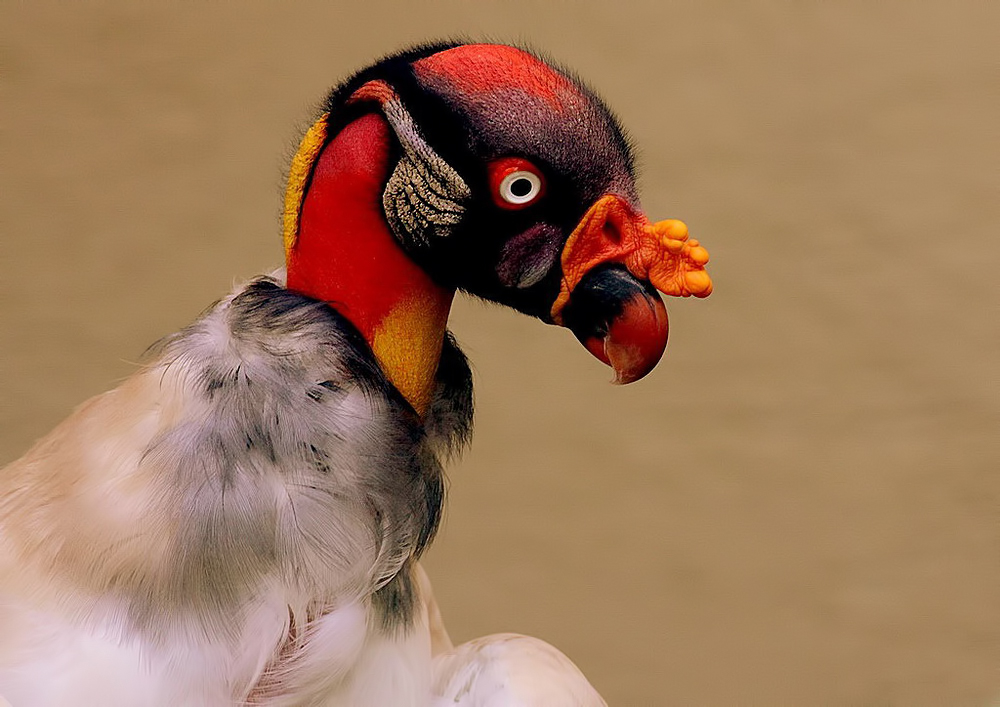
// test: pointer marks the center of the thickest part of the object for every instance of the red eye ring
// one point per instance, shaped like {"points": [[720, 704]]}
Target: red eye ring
{"points": [[515, 183]]}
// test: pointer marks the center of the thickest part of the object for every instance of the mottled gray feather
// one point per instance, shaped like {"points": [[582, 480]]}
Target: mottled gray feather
{"points": [[296, 459]]}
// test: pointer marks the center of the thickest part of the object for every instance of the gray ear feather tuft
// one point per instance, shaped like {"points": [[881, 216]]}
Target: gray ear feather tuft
{"points": [[424, 198]]}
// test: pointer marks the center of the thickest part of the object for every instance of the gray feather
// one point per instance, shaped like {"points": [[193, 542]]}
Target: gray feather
{"points": [[297, 459]]}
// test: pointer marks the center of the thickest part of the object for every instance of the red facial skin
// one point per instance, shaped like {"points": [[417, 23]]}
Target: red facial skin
{"points": [[360, 268], [346, 255]]}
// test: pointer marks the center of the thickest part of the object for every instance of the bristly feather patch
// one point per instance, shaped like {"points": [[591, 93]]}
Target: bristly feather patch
{"points": [[481, 68]]}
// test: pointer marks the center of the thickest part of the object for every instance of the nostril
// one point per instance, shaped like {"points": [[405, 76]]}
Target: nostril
{"points": [[611, 232], [618, 224]]}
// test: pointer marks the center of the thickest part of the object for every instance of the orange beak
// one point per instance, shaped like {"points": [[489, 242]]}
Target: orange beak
{"points": [[613, 264]]}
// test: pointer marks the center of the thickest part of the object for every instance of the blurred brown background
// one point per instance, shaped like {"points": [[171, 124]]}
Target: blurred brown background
{"points": [[798, 507]]}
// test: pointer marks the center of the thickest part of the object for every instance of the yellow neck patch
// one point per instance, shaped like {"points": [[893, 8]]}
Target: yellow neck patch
{"points": [[408, 344], [298, 178]]}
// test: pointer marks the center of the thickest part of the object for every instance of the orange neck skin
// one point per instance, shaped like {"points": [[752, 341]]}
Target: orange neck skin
{"points": [[346, 255]]}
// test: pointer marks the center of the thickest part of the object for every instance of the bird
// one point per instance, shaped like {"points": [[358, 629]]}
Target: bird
{"points": [[240, 522]]}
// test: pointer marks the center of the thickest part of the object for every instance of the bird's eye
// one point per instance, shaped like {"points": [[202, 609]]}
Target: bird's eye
{"points": [[516, 183], [520, 187]]}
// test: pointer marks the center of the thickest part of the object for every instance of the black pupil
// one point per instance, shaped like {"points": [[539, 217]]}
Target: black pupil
{"points": [[520, 187]]}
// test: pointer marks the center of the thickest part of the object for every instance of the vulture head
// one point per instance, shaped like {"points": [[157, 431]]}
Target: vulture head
{"points": [[482, 168]]}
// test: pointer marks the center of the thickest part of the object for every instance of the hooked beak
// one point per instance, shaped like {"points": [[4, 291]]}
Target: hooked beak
{"points": [[621, 320], [613, 264]]}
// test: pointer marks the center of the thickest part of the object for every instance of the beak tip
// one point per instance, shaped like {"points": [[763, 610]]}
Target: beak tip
{"points": [[622, 378], [637, 339]]}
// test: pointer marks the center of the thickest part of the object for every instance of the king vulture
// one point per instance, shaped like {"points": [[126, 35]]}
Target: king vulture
{"points": [[239, 522]]}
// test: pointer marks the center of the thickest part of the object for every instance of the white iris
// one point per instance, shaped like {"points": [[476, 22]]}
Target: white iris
{"points": [[520, 187]]}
